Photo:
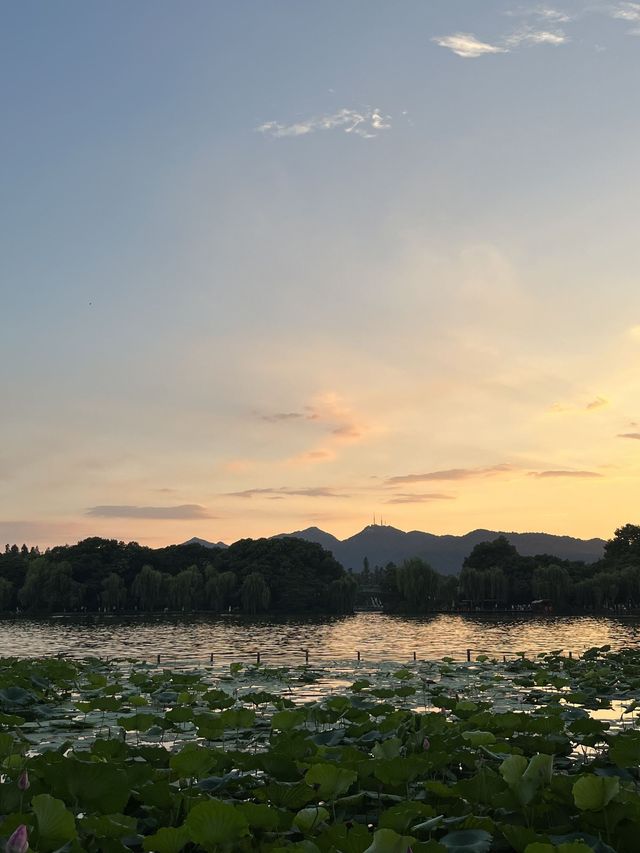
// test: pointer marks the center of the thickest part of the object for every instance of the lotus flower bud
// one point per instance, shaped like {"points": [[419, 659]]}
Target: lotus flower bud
{"points": [[23, 781], [426, 744], [19, 841]]}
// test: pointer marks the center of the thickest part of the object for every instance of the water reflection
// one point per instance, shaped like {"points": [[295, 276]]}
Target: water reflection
{"points": [[374, 635]]}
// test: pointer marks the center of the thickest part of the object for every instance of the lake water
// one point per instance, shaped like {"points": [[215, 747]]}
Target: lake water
{"points": [[377, 637]]}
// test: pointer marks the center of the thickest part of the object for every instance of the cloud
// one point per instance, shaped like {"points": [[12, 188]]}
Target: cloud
{"points": [[626, 12], [286, 491], [571, 408], [553, 15], [635, 435], [283, 416], [558, 474], [544, 13], [347, 431], [366, 123], [598, 403], [529, 35], [167, 512], [319, 455], [450, 474], [419, 498], [467, 45]]}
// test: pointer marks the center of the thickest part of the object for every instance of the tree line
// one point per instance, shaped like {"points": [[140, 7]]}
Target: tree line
{"points": [[495, 576], [289, 575], [253, 576]]}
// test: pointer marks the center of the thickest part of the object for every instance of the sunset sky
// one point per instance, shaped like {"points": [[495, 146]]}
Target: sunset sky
{"points": [[273, 264]]}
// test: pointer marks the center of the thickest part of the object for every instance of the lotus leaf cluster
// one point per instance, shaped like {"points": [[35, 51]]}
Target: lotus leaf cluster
{"points": [[531, 755]]}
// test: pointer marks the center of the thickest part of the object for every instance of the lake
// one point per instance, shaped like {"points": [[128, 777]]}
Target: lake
{"points": [[375, 636]]}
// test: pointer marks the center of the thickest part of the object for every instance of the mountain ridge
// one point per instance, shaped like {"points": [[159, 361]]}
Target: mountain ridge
{"points": [[382, 544]]}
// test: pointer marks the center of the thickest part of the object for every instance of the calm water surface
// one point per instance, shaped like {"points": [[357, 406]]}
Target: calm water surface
{"points": [[377, 637]]}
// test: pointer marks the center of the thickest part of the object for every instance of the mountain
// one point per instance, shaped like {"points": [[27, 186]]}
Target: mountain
{"points": [[205, 544], [313, 534], [382, 544]]}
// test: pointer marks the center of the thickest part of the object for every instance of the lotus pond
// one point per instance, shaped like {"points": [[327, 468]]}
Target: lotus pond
{"points": [[528, 755]]}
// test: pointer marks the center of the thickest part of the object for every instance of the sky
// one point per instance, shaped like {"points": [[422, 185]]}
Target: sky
{"points": [[267, 264]]}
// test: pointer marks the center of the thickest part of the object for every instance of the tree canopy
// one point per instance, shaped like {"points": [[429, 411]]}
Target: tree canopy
{"points": [[283, 575]]}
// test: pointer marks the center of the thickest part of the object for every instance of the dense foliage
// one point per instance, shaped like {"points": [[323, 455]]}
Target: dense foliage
{"points": [[431, 757], [283, 575], [496, 576], [293, 575]]}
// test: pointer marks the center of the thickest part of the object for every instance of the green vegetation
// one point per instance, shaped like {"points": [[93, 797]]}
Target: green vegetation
{"points": [[289, 575], [283, 575], [496, 576], [531, 756]]}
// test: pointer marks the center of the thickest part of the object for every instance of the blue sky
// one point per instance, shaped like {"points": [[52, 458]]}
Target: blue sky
{"points": [[258, 260]]}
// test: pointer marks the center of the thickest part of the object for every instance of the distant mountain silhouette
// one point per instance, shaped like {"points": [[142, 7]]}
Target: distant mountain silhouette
{"points": [[195, 540], [314, 534], [382, 544]]}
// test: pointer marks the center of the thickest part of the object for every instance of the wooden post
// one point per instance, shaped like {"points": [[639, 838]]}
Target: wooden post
{"points": [[258, 657], [468, 655], [158, 659], [571, 654], [358, 655], [504, 658], [211, 658], [306, 655], [415, 657]]}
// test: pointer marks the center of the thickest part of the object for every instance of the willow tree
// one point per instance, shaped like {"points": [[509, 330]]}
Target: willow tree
{"points": [[147, 588], [255, 595], [418, 584], [187, 589], [114, 592]]}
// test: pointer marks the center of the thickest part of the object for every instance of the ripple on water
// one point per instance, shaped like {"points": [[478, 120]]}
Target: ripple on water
{"points": [[376, 636]]}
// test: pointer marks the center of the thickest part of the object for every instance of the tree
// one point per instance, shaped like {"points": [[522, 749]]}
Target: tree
{"points": [[499, 553], [551, 582], [255, 594], [147, 588], [418, 584], [50, 587], [114, 592], [342, 593], [624, 545], [7, 594], [187, 589]]}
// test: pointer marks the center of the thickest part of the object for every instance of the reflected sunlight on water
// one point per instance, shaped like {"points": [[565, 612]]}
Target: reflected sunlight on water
{"points": [[374, 635]]}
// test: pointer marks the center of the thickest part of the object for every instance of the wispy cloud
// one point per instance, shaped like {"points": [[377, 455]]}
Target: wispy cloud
{"points": [[278, 417], [318, 455], [366, 123], [450, 474], [419, 498], [531, 36], [598, 403], [467, 45], [543, 13], [558, 474], [593, 405], [626, 12], [175, 512], [635, 435], [286, 491]]}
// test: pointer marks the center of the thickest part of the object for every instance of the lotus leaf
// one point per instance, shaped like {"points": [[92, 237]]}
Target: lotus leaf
{"points": [[467, 841], [388, 841], [213, 822], [56, 825], [593, 793], [331, 781]]}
